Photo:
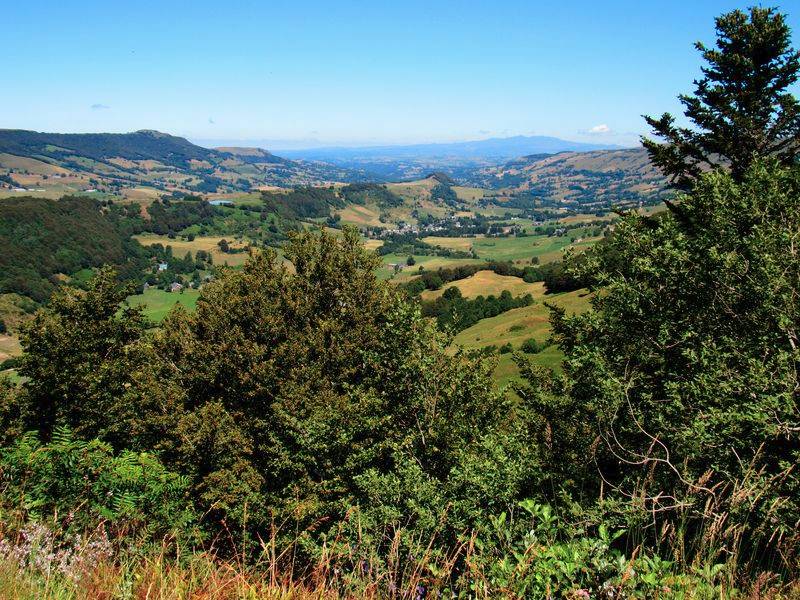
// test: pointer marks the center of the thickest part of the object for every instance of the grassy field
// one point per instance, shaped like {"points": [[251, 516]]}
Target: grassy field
{"points": [[158, 303], [451, 243], [516, 249], [373, 244], [208, 243], [239, 198], [469, 194], [356, 214], [9, 346], [487, 282], [518, 325], [429, 262]]}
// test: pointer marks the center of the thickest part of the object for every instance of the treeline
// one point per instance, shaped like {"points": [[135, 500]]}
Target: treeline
{"points": [[409, 243], [41, 241], [364, 193], [452, 311], [303, 203], [170, 217], [555, 275]]}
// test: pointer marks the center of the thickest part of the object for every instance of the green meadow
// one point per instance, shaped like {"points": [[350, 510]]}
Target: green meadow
{"points": [[157, 303], [516, 249], [517, 326]]}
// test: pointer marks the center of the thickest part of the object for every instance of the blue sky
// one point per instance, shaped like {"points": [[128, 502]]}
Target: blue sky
{"points": [[308, 73]]}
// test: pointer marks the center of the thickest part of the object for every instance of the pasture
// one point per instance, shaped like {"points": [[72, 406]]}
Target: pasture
{"points": [[430, 263], [469, 194], [515, 249], [181, 246], [157, 303], [488, 282], [362, 216], [517, 326]]}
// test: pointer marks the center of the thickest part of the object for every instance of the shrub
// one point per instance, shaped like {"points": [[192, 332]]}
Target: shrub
{"points": [[76, 484]]}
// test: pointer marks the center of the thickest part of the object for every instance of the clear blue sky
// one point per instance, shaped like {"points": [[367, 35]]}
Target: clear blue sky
{"points": [[351, 72]]}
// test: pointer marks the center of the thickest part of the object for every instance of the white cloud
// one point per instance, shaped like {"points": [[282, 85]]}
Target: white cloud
{"points": [[598, 129], [99, 106]]}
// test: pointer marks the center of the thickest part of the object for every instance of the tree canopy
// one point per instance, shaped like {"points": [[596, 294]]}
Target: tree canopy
{"points": [[741, 108]]}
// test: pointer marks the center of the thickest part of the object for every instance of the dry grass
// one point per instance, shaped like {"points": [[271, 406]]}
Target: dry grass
{"points": [[360, 215], [488, 282], [208, 243], [9, 346], [373, 244], [451, 243]]}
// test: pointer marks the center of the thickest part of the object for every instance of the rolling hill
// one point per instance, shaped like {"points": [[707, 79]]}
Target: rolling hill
{"points": [[584, 178], [146, 161]]}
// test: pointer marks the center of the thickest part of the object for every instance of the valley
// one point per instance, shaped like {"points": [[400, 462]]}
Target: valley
{"points": [[170, 215]]}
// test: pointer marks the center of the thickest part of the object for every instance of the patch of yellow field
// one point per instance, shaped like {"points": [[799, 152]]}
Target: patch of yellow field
{"points": [[199, 164], [139, 194], [488, 282], [360, 215], [373, 244], [9, 346], [450, 243], [208, 243], [36, 167], [125, 163]]}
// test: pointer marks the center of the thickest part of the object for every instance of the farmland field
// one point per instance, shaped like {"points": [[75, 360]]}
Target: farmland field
{"points": [[208, 243], [518, 325], [373, 244], [516, 249], [357, 214], [488, 282], [429, 262], [158, 303]]}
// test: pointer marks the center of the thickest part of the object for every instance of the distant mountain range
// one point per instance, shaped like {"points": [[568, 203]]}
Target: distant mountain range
{"points": [[455, 158], [492, 149], [145, 164], [149, 160]]}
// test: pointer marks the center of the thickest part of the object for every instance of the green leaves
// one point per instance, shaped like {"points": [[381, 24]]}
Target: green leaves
{"points": [[685, 365], [75, 484], [741, 109]]}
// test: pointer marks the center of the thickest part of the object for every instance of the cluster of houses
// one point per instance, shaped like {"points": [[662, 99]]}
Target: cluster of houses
{"points": [[404, 228]]}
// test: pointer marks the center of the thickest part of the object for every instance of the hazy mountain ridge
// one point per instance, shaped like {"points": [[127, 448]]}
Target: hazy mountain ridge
{"points": [[488, 149], [458, 159], [580, 177], [151, 159]]}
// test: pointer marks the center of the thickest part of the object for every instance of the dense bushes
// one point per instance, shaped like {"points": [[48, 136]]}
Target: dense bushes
{"points": [[75, 484], [173, 216], [364, 193], [287, 395], [688, 365], [303, 202]]}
